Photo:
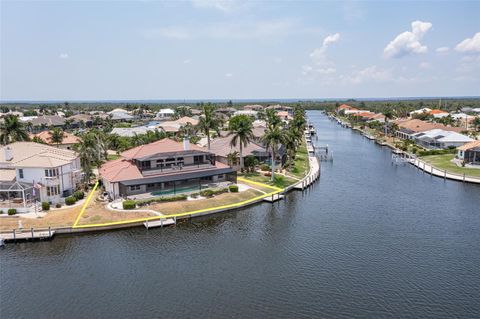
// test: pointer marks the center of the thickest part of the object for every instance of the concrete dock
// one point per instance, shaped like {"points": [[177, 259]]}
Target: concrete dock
{"points": [[160, 223], [26, 235]]}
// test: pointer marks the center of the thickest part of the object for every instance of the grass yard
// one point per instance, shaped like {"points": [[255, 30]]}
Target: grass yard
{"points": [[169, 208], [443, 162], [280, 181], [301, 164]]}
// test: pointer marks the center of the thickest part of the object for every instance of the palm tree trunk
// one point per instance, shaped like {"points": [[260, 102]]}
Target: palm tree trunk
{"points": [[273, 164], [208, 141], [241, 157]]}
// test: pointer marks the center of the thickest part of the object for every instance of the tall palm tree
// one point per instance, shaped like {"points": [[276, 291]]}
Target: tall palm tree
{"points": [[93, 151], [272, 139], [241, 129], [272, 118], [12, 130], [56, 136], [209, 122]]}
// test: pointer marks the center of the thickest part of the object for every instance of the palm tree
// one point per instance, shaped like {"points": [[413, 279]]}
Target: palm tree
{"points": [[93, 151], [232, 158], [272, 118], [241, 129], [291, 143], [56, 136], [272, 139], [209, 121], [12, 130]]}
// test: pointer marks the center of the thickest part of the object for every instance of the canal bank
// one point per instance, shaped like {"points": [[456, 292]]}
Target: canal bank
{"points": [[369, 240], [413, 159]]}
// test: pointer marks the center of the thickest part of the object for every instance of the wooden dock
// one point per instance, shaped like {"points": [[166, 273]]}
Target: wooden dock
{"points": [[273, 198], [160, 223], [27, 235]]}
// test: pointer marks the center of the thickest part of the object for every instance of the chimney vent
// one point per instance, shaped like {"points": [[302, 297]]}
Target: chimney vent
{"points": [[186, 143], [8, 153]]}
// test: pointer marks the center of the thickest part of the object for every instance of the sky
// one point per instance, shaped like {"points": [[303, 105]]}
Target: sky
{"points": [[134, 50]]}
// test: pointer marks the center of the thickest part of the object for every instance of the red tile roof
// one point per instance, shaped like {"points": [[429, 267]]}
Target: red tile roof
{"points": [[67, 138]]}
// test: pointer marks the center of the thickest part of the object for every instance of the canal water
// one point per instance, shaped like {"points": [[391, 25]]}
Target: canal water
{"points": [[369, 240]]}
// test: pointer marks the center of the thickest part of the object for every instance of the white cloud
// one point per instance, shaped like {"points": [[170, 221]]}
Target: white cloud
{"points": [[63, 56], [187, 61], [409, 41], [228, 75], [321, 64], [469, 45], [331, 39], [221, 5], [368, 74], [442, 49]]}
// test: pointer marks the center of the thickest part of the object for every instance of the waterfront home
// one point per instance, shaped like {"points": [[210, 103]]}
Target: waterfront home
{"points": [[344, 107], [424, 110], [470, 153], [438, 114], [81, 120], [69, 140], [120, 116], [163, 167], [53, 172], [165, 113], [406, 128], [440, 139], [221, 147]]}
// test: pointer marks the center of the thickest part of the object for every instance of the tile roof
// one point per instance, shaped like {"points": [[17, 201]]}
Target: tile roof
{"points": [[67, 138], [29, 154], [416, 125], [221, 147], [165, 145], [473, 144]]}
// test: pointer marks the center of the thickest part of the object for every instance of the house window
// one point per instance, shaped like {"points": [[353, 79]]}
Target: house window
{"points": [[53, 190], [221, 176], [197, 159], [135, 187], [20, 173], [145, 164], [51, 172]]}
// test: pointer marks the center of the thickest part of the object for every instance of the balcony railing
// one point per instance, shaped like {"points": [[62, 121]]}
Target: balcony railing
{"points": [[176, 168]]}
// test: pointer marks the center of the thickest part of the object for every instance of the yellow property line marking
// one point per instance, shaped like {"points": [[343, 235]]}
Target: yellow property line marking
{"points": [[194, 212], [258, 183], [85, 204]]}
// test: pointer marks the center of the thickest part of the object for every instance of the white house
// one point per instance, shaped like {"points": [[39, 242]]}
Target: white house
{"points": [[247, 112], [31, 171], [165, 113], [440, 139], [424, 110]]}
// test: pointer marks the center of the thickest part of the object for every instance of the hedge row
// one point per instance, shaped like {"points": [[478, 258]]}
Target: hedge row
{"points": [[173, 198]]}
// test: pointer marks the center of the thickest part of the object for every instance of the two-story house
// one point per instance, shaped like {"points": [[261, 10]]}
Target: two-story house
{"points": [[37, 171], [161, 168]]}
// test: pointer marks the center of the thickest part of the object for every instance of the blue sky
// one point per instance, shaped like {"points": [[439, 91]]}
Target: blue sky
{"points": [[87, 50]]}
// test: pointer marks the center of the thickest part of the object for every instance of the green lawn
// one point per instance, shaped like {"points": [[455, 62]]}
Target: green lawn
{"points": [[300, 166], [280, 181], [443, 162], [112, 157]]}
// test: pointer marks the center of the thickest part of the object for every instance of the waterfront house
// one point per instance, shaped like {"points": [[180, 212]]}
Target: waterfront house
{"points": [[406, 128], [440, 139], [438, 114], [69, 140], [163, 167], [470, 153], [221, 147], [53, 172]]}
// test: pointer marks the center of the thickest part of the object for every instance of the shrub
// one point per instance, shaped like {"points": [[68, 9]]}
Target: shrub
{"points": [[12, 211], [79, 195], [173, 198], [206, 193], [58, 205], [70, 200], [45, 206], [233, 188], [264, 167], [1, 212], [129, 204]]}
